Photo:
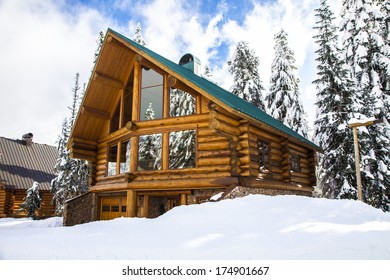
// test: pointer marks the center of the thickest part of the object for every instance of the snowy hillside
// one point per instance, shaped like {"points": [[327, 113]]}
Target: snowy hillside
{"points": [[254, 227]]}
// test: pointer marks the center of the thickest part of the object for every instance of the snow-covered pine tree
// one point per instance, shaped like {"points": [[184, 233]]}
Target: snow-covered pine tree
{"points": [[335, 99], [283, 100], [32, 201], [245, 70], [138, 38], [150, 145], [368, 56], [99, 42], [72, 174]]}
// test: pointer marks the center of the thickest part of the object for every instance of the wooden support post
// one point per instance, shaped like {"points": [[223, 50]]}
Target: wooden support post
{"points": [[145, 207], [183, 199], [131, 209], [357, 163]]}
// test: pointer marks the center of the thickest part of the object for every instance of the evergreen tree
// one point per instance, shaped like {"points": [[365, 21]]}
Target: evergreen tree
{"points": [[335, 99], [32, 201], [245, 70], [99, 47], [72, 174], [283, 101], [367, 54], [138, 38]]}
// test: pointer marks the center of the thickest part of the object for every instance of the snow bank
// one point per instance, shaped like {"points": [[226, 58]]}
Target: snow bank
{"points": [[253, 227]]}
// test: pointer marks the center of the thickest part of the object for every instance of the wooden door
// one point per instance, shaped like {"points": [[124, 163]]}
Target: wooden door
{"points": [[112, 207]]}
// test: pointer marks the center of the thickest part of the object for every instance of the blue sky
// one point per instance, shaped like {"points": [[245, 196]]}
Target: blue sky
{"points": [[46, 42]]}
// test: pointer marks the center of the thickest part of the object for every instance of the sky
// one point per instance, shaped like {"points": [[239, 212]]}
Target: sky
{"points": [[44, 43]]}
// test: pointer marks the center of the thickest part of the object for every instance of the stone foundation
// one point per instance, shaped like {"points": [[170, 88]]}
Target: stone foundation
{"points": [[244, 191], [81, 209]]}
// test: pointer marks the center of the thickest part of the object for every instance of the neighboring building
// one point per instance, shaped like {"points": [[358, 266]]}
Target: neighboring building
{"points": [[148, 154], [23, 162]]}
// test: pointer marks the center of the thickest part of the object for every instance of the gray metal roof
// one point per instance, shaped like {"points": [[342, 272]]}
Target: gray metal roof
{"points": [[21, 165]]}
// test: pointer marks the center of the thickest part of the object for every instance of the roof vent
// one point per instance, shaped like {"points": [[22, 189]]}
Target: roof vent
{"points": [[27, 138], [191, 62]]}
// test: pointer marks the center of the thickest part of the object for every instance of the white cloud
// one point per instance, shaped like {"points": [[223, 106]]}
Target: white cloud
{"points": [[42, 49]]}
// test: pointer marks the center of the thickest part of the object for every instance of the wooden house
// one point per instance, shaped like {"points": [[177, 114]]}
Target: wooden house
{"points": [[23, 162], [158, 135]]}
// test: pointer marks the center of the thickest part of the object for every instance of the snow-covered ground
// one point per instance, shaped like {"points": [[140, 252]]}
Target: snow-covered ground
{"points": [[254, 227]]}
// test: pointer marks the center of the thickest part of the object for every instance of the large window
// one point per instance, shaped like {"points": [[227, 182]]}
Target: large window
{"points": [[152, 91], [149, 153], [182, 149], [263, 148], [119, 163], [181, 103]]}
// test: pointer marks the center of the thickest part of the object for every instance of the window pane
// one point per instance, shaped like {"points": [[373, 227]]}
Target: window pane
{"points": [[111, 166], [128, 101], [149, 153], [181, 103], [125, 156], [182, 149], [263, 148], [295, 163], [151, 95]]}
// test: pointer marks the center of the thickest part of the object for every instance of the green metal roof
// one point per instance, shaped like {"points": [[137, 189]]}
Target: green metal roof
{"points": [[219, 93]]}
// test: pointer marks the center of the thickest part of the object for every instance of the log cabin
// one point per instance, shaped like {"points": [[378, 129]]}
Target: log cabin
{"points": [[23, 162], [158, 135]]}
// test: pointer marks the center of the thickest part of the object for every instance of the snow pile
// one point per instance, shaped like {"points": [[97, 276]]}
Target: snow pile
{"points": [[253, 227]]}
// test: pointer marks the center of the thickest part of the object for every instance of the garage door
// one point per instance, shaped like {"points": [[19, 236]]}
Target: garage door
{"points": [[112, 207]]}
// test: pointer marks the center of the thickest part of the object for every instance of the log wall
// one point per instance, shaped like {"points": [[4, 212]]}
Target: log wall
{"points": [[280, 152]]}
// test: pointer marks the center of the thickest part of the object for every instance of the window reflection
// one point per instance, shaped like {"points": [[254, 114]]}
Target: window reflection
{"points": [[151, 94], [149, 153], [182, 149]]}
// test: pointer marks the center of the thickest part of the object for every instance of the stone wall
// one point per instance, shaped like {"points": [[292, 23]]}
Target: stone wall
{"points": [[244, 191], [81, 209]]}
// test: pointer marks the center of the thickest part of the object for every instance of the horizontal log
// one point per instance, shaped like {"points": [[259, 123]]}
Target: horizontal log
{"points": [[80, 155], [301, 180], [213, 146], [206, 131], [199, 183], [222, 117], [177, 176], [300, 174], [213, 153], [298, 148], [84, 141], [264, 134], [209, 139], [214, 161], [189, 119], [224, 127]]}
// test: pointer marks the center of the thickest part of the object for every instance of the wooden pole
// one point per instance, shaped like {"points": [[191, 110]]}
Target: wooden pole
{"points": [[131, 210], [357, 163]]}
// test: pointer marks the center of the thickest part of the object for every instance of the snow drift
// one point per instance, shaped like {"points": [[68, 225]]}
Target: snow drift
{"points": [[253, 227]]}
